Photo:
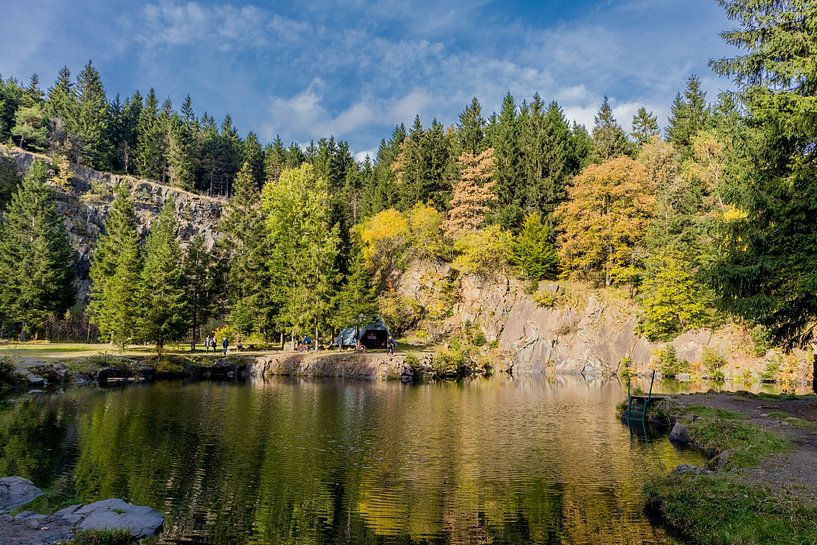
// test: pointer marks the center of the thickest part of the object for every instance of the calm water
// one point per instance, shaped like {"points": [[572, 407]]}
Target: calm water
{"points": [[499, 461]]}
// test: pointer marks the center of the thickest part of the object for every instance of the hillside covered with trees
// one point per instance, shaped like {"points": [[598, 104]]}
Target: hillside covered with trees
{"points": [[708, 219]]}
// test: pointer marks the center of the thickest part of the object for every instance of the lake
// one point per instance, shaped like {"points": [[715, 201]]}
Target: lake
{"points": [[288, 461]]}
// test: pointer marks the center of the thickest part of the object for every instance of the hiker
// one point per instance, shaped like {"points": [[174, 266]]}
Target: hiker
{"points": [[207, 343], [239, 346], [223, 345], [307, 342], [391, 345]]}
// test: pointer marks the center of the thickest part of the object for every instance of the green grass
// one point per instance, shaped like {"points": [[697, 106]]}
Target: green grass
{"points": [[793, 420], [717, 430], [105, 537], [721, 510]]}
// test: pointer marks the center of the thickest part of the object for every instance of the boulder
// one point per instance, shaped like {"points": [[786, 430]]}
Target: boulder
{"points": [[689, 468], [679, 434], [116, 514], [16, 491]]}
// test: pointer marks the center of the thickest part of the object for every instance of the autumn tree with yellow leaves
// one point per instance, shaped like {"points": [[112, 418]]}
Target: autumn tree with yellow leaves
{"points": [[604, 220]]}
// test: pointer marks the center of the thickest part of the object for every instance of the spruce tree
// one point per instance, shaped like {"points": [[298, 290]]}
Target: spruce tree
{"points": [[504, 138], [62, 111], [92, 119], [609, 139], [532, 250], [689, 115], [150, 157], [163, 311], [253, 154], [275, 157], [36, 262], [115, 273], [200, 285], [471, 129], [180, 171], [645, 126]]}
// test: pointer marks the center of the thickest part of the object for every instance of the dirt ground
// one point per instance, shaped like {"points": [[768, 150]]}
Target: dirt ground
{"points": [[794, 472]]}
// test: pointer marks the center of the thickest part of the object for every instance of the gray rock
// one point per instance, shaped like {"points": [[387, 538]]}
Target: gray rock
{"points": [[35, 521], [16, 491], [116, 514], [68, 510], [679, 434], [723, 458], [689, 468]]}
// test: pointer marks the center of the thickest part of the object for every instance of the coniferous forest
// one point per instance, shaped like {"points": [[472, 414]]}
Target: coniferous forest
{"points": [[709, 216]]}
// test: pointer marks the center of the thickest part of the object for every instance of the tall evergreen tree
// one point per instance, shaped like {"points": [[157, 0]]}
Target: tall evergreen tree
{"points": [[609, 138], [36, 262], [150, 141], [275, 160], [645, 126], [471, 129], [356, 301], [180, 167], [253, 155], [503, 136], [689, 115], [163, 312], [200, 285], [116, 265], [62, 111], [92, 119]]}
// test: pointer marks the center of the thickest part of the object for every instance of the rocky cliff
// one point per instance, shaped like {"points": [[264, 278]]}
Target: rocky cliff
{"points": [[85, 204], [584, 331]]}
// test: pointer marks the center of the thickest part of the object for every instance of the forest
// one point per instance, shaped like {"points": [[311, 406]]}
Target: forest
{"points": [[710, 218]]}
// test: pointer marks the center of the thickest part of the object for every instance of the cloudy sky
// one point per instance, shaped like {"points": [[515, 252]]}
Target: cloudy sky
{"points": [[355, 68]]}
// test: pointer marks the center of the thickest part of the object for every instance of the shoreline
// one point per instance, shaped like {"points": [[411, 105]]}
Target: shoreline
{"points": [[759, 484]]}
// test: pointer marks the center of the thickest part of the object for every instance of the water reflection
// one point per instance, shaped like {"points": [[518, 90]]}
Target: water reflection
{"points": [[499, 461]]}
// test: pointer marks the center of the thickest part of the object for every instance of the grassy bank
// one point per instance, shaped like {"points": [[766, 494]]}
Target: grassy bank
{"points": [[752, 491]]}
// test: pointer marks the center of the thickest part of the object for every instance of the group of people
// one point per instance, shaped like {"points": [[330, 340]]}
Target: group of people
{"points": [[210, 342]]}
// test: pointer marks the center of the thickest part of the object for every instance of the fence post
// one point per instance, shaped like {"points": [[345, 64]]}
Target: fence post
{"points": [[814, 373]]}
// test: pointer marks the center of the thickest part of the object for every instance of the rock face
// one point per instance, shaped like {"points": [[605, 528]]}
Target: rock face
{"points": [[16, 491], [376, 366], [30, 528], [85, 204]]}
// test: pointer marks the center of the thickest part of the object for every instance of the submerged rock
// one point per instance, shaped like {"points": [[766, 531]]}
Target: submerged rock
{"points": [[16, 491]]}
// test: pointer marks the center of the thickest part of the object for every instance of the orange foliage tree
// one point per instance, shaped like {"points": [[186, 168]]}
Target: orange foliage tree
{"points": [[473, 194], [609, 208]]}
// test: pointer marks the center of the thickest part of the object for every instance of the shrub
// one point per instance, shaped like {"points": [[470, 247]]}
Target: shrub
{"points": [[413, 361], [714, 362], [482, 252], [532, 251], [546, 298], [228, 331], [771, 373], [400, 313], [668, 362], [448, 361], [168, 366], [8, 373], [626, 368]]}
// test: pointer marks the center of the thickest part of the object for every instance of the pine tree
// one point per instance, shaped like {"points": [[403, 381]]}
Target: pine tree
{"points": [[116, 265], [92, 119], [180, 169], [645, 126], [503, 136], [200, 285], [275, 158], [253, 155], [62, 111], [609, 138], [30, 127], [532, 250], [163, 311], [150, 157], [473, 194], [356, 301], [123, 131], [36, 262], [689, 115], [471, 129]]}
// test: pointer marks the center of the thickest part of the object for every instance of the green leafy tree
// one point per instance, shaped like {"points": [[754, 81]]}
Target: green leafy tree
{"points": [[645, 126], [768, 239], [673, 300], [30, 127], [356, 301], [532, 250], [305, 246], [163, 303], [36, 262], [116, 265]]}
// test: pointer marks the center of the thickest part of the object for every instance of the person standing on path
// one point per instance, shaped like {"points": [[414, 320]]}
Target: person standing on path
{"points": [[224, 345], [391, 345]]}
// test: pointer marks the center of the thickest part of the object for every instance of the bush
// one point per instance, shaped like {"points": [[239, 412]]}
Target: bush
{"points": [[448, 361], [626, 368], [546, 298], [771, 373], [668, 362], [228, 331], [400, 313], [714, 362], [413, 361], [8, 372], [482, 252]]}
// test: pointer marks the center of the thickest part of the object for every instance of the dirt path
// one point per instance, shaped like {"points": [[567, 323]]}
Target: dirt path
{"points": [[793, 472]]}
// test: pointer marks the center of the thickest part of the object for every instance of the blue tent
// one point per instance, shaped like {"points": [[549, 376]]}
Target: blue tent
{"points": [[373, 335]]}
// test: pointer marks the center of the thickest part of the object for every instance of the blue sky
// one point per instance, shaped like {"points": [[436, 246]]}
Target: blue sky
{"points": [[356, 68]]}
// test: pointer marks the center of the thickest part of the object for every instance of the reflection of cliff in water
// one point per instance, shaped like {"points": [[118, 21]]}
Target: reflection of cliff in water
{"points": [[500, 461]]}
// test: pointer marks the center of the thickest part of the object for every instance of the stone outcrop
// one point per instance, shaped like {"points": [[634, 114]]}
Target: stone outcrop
{"points": [[16, 491], [85, 204], [374, 366], [586, 331], [29, 528]]}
